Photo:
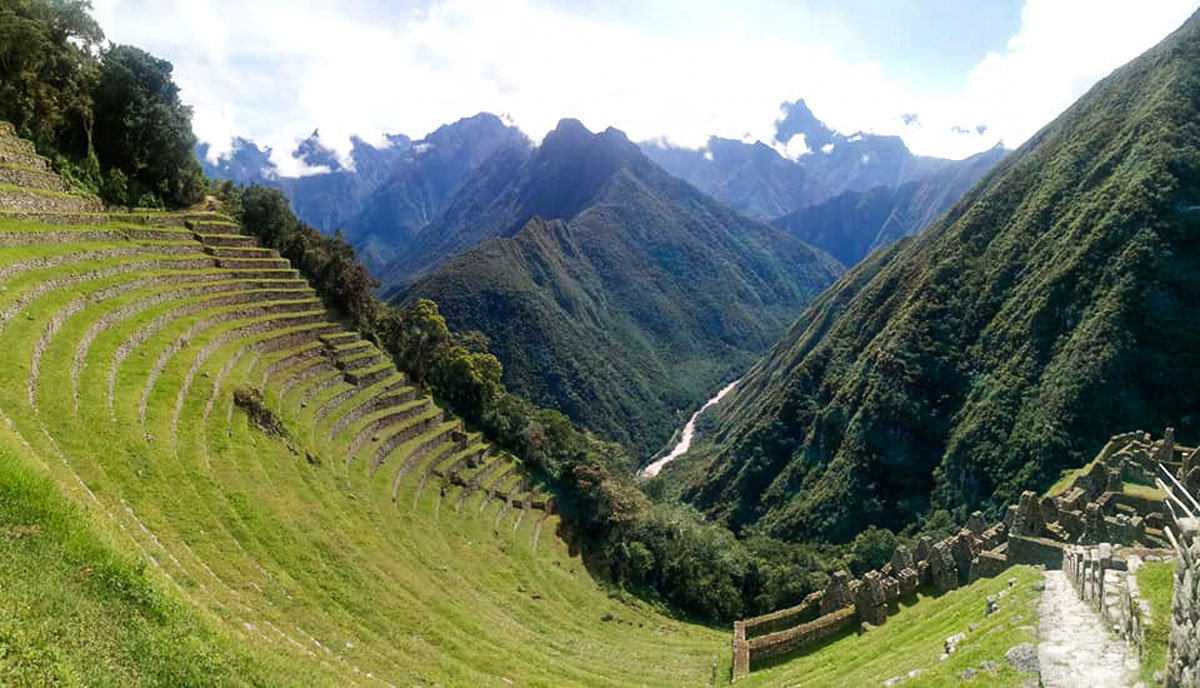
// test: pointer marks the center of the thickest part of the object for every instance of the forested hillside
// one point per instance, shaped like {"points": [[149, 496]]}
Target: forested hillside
{"points": [[633, 299], [1052, 306]]}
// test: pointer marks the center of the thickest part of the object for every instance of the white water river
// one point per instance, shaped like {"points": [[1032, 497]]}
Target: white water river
{"points": [[685, 439]]}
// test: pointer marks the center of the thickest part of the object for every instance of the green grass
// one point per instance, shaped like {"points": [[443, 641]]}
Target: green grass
{"points": [[912, 639], [38, 192], [1156, 582], [76, 611], [1146, 491], [258, 555], [1066, 479]]}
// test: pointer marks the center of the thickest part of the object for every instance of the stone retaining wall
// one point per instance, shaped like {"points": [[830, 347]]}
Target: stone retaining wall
{"points": [[1108, 583], [1183, 655]]}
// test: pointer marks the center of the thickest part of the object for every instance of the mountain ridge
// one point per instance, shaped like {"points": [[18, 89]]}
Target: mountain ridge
{"points": [[999, 347], [644, 299]]}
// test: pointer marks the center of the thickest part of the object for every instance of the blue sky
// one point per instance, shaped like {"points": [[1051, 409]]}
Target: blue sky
{"points": [[974, 73]]}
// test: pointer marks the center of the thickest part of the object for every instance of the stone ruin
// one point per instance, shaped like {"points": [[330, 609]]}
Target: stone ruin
{"points": [[1093, 509], [846, 604]]}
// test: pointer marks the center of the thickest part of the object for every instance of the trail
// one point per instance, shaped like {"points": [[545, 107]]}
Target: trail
{"points": [[1076, 649], [685, 439]]}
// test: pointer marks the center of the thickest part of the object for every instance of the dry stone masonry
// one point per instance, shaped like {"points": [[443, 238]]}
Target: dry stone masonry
{"points": [[232, 293], [1061, 531]]}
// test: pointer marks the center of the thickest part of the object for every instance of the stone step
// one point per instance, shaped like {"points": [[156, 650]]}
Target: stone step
{"points": [[157, 234], [358, 362], [254, 263], [369, 376], [242, 273], [14, 199], [226, 240], [472, 459], [341, 338], [252, 252], [54, 217], [409, 432], [181, 219], [35, 162], [214, 227], [32, 178], [17, 145]]}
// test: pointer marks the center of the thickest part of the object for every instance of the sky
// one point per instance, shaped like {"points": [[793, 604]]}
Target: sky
{"points": [[950, 77]]}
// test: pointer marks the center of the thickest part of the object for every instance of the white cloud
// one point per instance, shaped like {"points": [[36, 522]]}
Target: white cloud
{"points": [[827, 148], [796, 146], [273, 70]]}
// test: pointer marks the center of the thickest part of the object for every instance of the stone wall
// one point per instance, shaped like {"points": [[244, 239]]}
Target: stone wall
{"points": [[974, 552], [1183, 656], [1107, 581], [1034, 531]]}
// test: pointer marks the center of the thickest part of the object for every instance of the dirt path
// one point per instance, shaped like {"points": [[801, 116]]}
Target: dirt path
{"points": [[1075, 648]]}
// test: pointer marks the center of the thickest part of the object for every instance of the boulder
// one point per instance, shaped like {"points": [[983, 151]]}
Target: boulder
{"points": [[1023, 657]]}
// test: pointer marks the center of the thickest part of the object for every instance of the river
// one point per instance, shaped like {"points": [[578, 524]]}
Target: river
{"points": [[685, 438]]}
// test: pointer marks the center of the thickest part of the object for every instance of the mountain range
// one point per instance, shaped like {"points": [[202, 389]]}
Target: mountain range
{"points": [[854, 223], [388, 193], [754, 178], [647, 290], [611, 290], [1052, 306]]}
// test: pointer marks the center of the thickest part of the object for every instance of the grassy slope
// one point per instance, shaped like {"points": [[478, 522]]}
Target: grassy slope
{"points": [[1043, 313], [91, 615], [256, 556], [913, 639], [1156, 581]]}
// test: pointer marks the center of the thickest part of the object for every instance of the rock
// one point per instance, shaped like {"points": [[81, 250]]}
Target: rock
{"points": [[989, 666], [902, 559], [1012, 582], [1159, 677], [1023, 657], [893, 681], [951, 643], [607, 617], [971, 627], [915, 673], [989, 607], [967, 674], [944, 657], [1039, 586]]}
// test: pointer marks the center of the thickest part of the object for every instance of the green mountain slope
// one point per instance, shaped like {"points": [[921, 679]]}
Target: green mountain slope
{"points": [[1053, 305], [637, 306]]}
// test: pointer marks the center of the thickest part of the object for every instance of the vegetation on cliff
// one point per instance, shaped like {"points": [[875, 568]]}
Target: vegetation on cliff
{"points": [[613, 292], [1051, 307]]}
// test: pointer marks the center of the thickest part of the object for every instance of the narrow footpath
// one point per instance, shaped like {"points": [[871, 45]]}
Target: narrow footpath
{"points": [[1076, 650]]}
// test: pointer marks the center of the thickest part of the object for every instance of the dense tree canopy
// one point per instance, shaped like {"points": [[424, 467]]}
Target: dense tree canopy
{"points": [[109, 117]]}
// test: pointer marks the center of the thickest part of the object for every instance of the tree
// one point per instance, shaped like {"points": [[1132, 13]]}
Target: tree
{"points": [[144, 130], [47, 70]]}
